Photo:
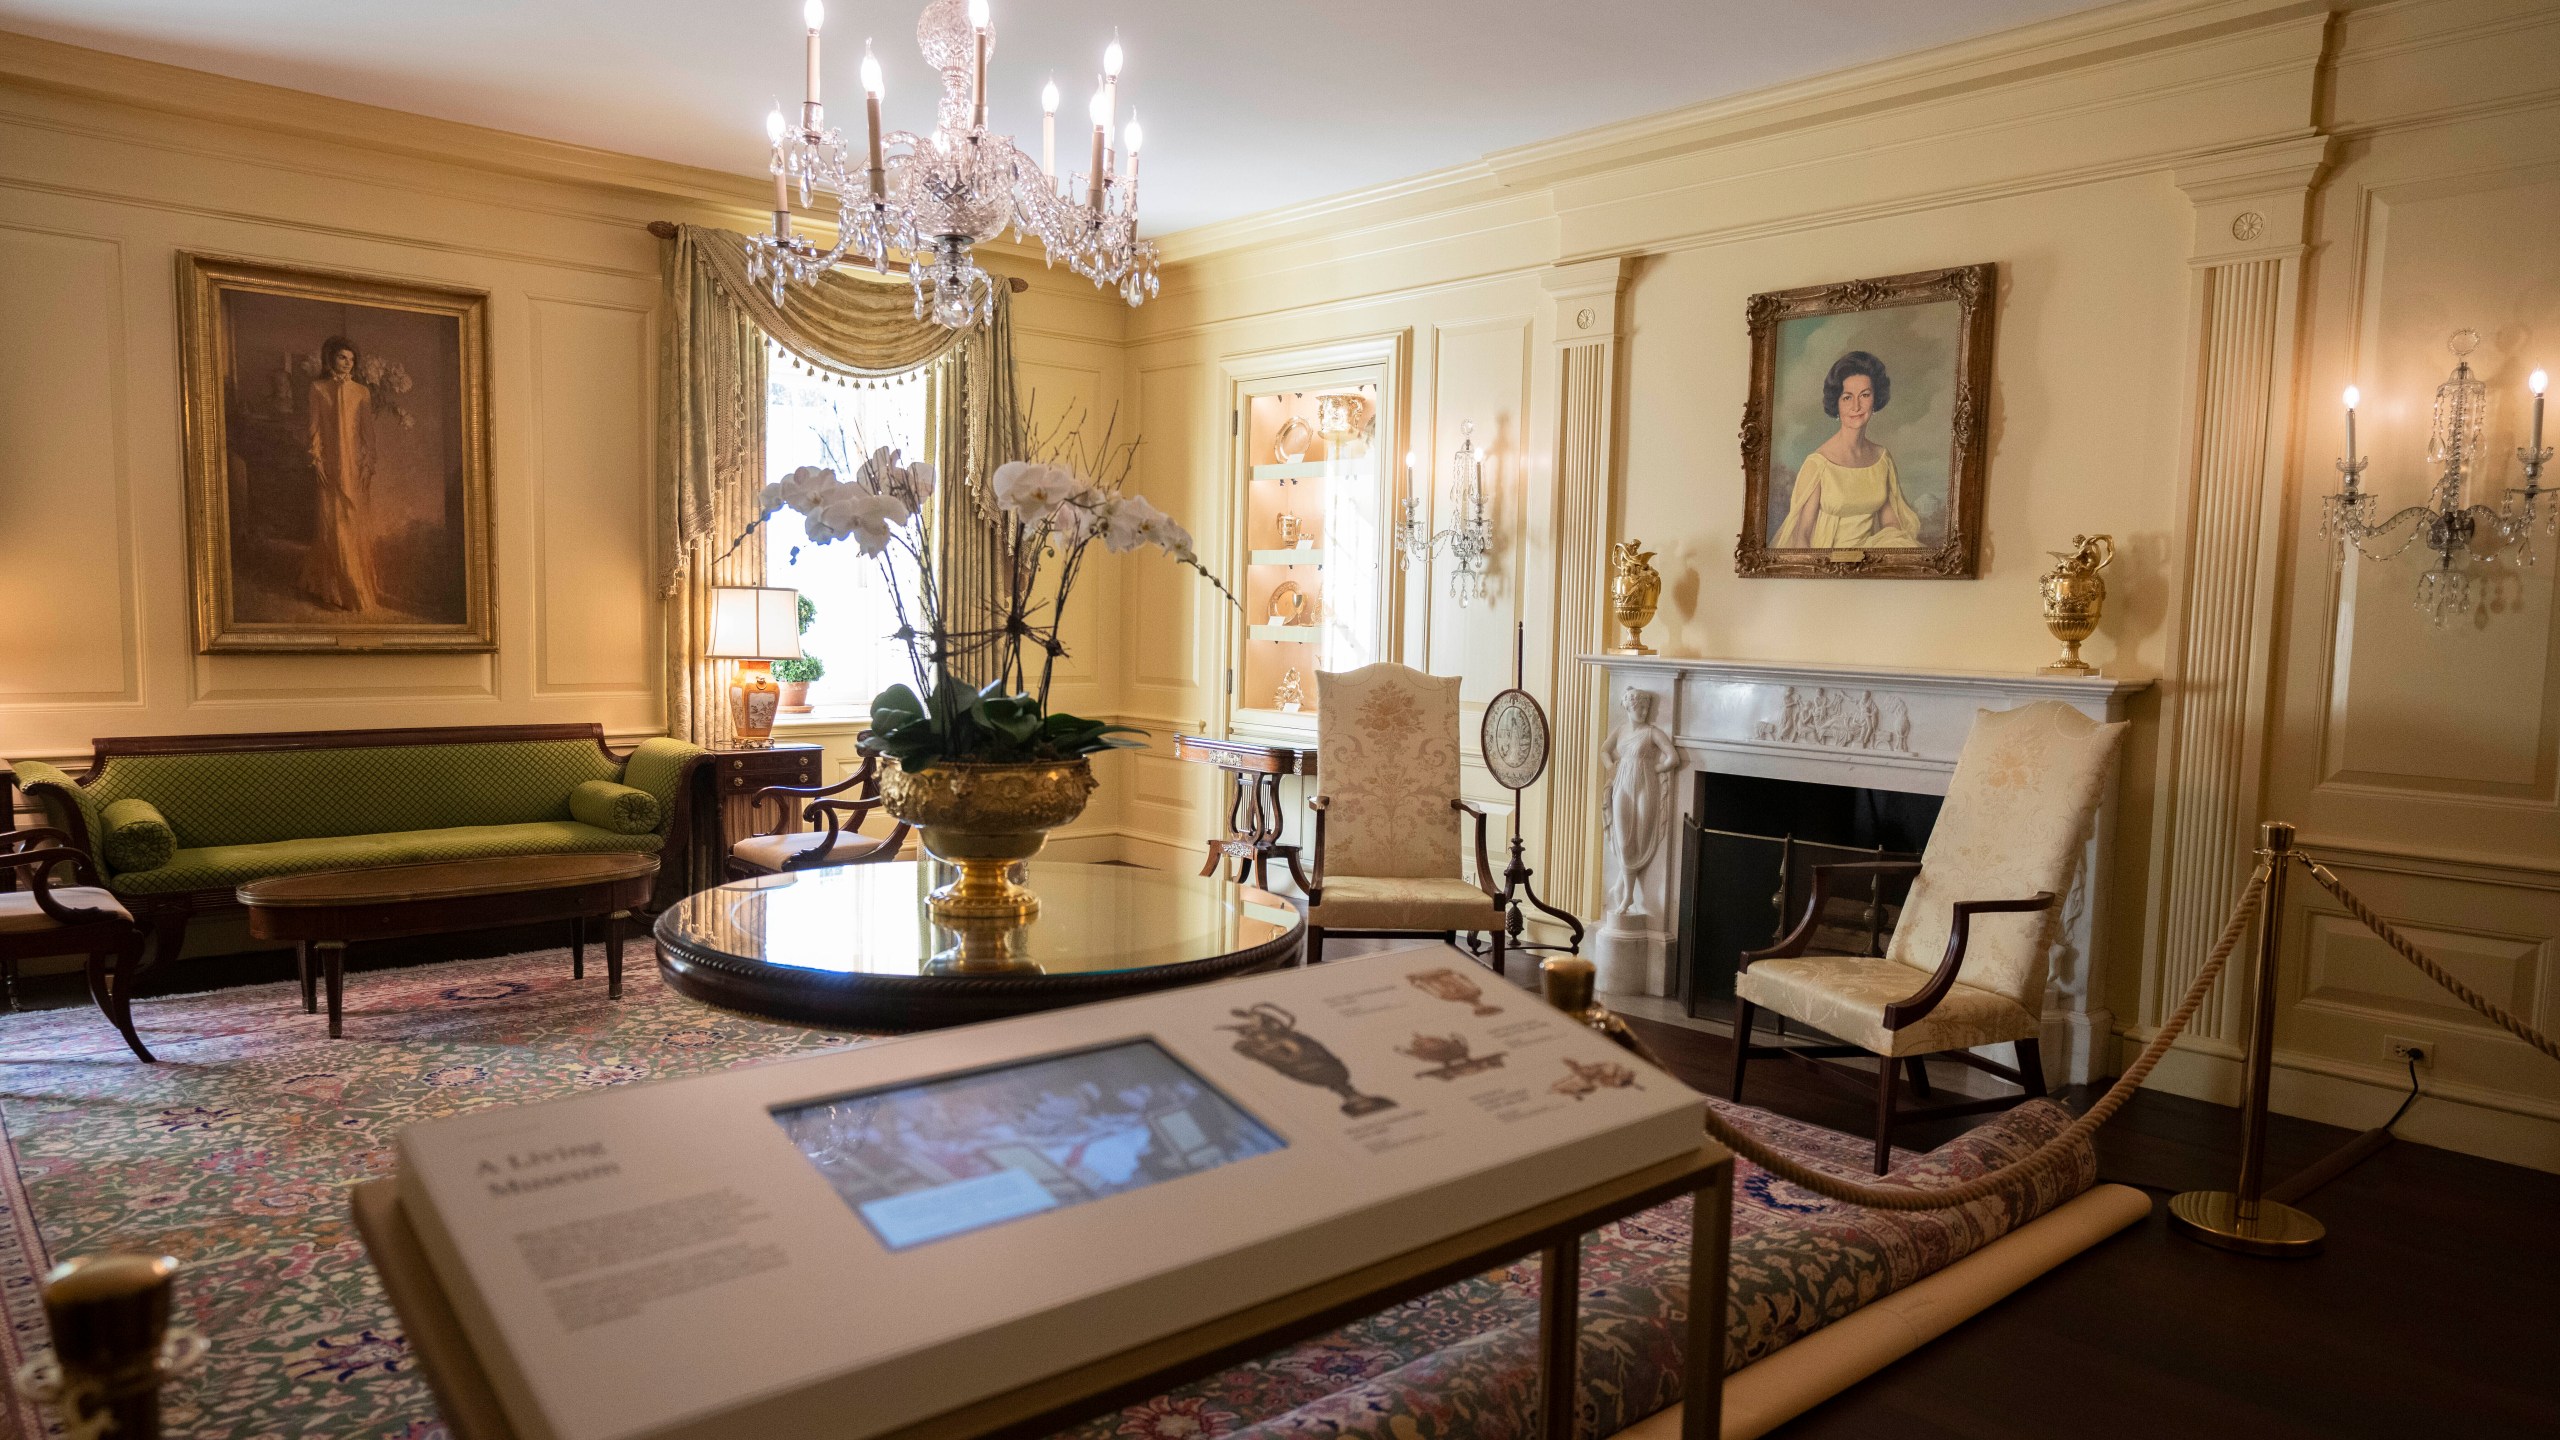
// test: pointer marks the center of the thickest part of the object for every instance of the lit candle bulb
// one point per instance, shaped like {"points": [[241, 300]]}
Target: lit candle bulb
{"points": [[978, 22], [2537, 382], [2353, 398], [815, 12], [1049, 128], [1101, 112], [871, 117], [1130, 138], [1111, 58]]}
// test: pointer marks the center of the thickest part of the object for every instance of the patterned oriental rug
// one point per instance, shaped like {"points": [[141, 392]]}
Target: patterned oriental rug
{"points": [[234, 1155]]}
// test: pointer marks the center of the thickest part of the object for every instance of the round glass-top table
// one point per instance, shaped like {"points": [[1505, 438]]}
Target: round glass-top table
{"points": [[853, 946]]}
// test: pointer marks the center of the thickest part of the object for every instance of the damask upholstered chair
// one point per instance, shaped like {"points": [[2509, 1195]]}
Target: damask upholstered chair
{"points": [[839, 843], [1386, 855], [82, 918], [1966, 965]]}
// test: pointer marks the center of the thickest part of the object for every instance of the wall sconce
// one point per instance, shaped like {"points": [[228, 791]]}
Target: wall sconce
{"points": [[1470, 541], [2458, 533]]}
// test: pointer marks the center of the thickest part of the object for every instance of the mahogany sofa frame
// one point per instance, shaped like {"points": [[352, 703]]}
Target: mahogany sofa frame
{"points": [[2027, 1075], [165, 917]]}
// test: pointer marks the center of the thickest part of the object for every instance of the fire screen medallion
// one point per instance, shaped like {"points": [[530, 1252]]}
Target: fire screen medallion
{"points": [[1515, 739]]}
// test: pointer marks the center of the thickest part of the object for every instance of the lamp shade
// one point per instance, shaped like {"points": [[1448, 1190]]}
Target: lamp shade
{"points": [[754, 623]]}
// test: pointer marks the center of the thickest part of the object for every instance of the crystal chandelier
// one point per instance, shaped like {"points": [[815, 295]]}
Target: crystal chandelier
{"points": [[1470, 541], [2452, 529], [937, 196]]}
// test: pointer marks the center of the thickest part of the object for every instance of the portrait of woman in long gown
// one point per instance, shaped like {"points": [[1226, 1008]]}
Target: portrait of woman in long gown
{"points": [[1847, 494], [337, 570]]}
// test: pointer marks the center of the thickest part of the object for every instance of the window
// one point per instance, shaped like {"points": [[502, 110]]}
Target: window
{"points": [[812, 422]]}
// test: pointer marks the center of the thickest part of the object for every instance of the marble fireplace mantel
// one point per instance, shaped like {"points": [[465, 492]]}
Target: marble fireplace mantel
{"points": [[1873, 727]]}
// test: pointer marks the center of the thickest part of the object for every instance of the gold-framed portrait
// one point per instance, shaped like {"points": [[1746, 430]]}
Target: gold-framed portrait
{"points": [[337, 434], [1863, 437]]}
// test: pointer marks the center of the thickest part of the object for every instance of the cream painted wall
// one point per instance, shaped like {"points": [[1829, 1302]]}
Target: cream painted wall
{"points": [[2093, 159]]}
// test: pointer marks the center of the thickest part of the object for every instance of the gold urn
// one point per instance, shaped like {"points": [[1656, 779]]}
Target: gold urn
{"points": [[2074, 595], [1635, 589], [985, 819]]}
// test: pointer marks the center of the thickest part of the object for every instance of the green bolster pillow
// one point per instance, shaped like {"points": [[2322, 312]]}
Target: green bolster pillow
{"points": [[137, 838], [618, 808]]}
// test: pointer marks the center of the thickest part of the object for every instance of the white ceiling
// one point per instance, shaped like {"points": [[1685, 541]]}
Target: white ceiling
{"points": [[1249, 104]]}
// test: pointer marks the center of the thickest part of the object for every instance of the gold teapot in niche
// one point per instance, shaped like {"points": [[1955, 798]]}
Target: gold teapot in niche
{"points": [[2074, 596]]}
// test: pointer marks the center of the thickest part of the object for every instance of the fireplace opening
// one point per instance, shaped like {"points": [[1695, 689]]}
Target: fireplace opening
{"points": [[1748, 848]]}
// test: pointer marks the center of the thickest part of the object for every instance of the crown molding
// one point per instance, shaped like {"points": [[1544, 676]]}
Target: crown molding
{"points": [[2090, 38]]}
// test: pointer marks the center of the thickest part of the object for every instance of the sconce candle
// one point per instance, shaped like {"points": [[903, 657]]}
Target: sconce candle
{"points": [[2353, 395], [2538, 382]]}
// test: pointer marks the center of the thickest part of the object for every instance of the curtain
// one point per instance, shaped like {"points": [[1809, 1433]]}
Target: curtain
{"points": [[712, 431]]}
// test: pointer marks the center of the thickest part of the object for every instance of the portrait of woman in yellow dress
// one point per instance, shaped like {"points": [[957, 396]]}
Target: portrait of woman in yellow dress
{"points": [[1863, 436], [1848, 495]]}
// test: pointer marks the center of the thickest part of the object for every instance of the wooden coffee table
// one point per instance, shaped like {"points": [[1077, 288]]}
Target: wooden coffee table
{"points": [[325, 910]]}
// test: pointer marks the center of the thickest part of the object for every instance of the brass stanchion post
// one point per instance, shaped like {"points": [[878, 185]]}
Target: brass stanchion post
{"points": [[2243, 1219]]}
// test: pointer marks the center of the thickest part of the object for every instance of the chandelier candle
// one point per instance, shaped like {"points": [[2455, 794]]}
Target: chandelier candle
{"points": [[1093, 175], [871, 116], [815, 12], [1049, 129], [978, 22], [1129, 157]]}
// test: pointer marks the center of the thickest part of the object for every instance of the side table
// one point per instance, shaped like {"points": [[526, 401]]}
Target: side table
{"points": [[724, 793], [1254, 816]]}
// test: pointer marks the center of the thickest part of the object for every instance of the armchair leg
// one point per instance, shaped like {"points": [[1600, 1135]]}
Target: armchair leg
{"points": [[2031, 1068], [1886, 1073], [111, 985], [1497, 949], [1744, 1012], [1918, 1068], [1314, 953]]}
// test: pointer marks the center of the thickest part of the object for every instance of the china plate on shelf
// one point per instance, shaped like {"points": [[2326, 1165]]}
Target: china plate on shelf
{"points": [[1291, 605]]}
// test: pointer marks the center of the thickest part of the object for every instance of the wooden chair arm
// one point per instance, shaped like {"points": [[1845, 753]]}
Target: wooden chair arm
{"points": [[1484, 858], [1312, 879], [82, 872], [867, 774], [1795, 940], [1917, 1007]]}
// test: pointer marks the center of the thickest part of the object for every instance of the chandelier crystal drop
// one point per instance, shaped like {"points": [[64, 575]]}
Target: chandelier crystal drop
{"points": [[2462, 536], [936, 197]]}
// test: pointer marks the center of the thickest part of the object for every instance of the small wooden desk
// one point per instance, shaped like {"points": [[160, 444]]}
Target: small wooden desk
{"points": [[1553, 1232], [1254, 768], [724, 813]]}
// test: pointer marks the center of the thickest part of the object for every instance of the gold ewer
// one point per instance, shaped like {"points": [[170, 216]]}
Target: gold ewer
{"points": [[2073, 597], [1635, 588]]}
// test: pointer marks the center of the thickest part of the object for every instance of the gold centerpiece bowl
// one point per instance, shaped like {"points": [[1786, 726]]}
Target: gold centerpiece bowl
{"points": [[984, 819]]}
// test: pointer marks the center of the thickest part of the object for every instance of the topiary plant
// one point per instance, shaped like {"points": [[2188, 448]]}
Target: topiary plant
{"points": [[807, 668]]}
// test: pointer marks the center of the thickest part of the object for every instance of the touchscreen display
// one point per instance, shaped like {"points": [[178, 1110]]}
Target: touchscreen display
{"points": [[957, 1153]]}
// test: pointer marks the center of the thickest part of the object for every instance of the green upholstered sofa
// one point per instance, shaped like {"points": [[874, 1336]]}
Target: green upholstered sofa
{"points": [[176, 823]]}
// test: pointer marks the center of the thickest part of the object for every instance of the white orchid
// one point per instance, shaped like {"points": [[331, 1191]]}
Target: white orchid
{"points": [[802, 490], [1126, 521], [867, 518], [1033, 492]]}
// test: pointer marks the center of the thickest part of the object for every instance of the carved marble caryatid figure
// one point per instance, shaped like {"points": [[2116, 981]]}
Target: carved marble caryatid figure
{"points": [[1637, 760]]}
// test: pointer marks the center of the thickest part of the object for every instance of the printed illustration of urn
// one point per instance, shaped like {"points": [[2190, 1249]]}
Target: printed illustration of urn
{"points": [[1270, 1036], [2073, 597], [1450, 985], [1635, 588], [1448, 1057]]}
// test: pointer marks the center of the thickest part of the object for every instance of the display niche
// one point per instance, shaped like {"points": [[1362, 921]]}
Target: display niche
{"points": [[1313, 464]]}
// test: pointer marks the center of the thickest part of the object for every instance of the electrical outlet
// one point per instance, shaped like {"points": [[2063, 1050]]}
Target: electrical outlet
{"points": [[2402, 1050]]}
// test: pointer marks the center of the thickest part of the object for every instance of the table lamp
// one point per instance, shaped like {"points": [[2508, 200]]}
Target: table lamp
{"points": [[754, 625]]}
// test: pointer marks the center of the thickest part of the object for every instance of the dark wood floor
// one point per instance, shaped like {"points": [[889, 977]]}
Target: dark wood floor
{"points": [[2434, 1310]]}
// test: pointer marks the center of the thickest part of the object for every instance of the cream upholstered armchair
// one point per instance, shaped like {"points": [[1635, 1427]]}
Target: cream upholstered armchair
{"points": [[841, 842], [1966, 965], [1386, 855]]}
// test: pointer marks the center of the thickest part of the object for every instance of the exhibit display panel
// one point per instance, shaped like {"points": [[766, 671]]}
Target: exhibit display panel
{"points": [[851, 1242]]}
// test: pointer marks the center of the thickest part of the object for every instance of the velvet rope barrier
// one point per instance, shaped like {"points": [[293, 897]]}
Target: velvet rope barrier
{"points": [[2408, 951]]}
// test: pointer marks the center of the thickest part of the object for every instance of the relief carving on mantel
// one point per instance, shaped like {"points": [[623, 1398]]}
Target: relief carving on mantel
{"points": [[1840, 720]]}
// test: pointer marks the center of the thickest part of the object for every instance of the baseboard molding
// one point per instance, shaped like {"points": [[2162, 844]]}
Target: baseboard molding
{"points": [[2449, 1116]]}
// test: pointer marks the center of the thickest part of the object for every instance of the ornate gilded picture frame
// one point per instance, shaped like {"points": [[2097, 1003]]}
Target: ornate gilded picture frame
{"points": [[337, 434], [1863, 437]]}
